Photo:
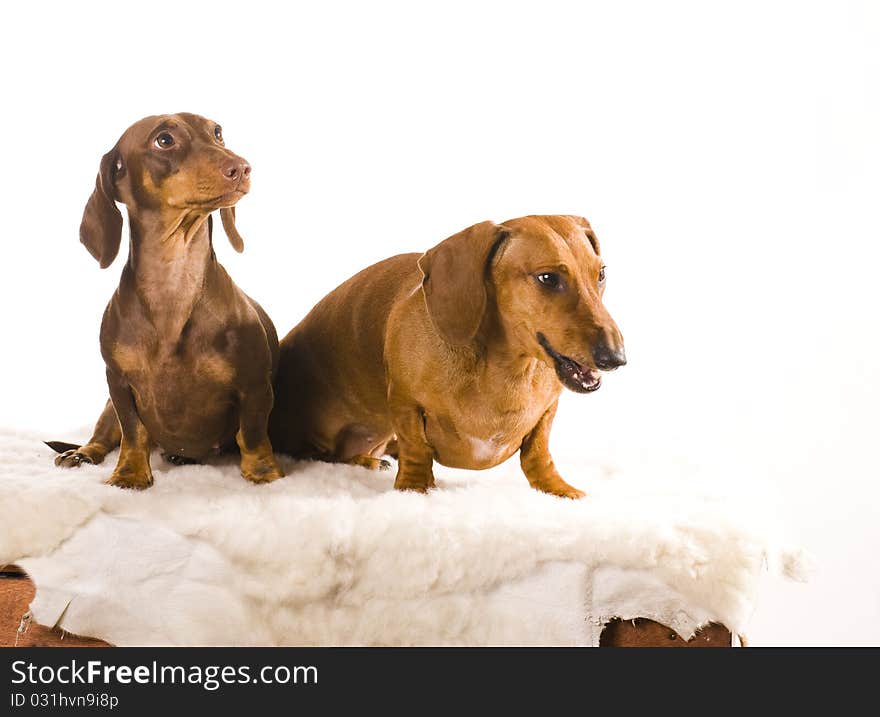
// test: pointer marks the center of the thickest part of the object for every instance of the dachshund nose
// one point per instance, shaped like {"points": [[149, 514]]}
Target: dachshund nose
{"points": [[234, 169], [608, 359]]}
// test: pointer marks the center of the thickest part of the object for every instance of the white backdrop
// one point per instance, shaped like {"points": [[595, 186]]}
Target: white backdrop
{"points": [[727, 156]]}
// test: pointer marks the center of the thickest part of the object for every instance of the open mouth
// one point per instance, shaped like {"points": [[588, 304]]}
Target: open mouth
{"points": [[574, 376]]}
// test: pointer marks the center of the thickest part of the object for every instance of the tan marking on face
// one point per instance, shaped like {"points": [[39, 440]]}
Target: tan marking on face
{"points": [[195, 179], [147, 183]]}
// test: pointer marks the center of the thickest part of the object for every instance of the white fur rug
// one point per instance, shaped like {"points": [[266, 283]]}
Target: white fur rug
{"points": [[331, 555]]}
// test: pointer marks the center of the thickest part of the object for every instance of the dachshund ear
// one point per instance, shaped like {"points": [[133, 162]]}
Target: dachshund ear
{"points": [[227, 216], [454, 280], [101, 227], [585, 225]]}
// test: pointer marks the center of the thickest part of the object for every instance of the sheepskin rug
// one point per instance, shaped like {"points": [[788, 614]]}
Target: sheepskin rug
{"points": [[331, 555]]}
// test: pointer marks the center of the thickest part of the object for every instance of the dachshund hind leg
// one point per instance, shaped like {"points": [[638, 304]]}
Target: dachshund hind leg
{"points": [[357, 445], [106, 437]]}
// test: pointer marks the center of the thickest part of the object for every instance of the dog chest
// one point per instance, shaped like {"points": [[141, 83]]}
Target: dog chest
{"points": [[478, 440], [171, 367], [485, 421], [178, 398]]}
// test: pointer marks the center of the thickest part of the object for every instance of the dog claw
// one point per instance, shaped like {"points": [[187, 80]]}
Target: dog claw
{"points": [[412, 488], [130, 481], [569, 492], [560, 488], [575, 494], [129, 485], [263, 475], [72, 459]]}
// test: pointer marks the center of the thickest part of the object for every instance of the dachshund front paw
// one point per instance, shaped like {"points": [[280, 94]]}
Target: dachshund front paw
{"points": [[132, 478], [562, 489], [570, 492], [417, 485], [263, 470], [72, 459]]}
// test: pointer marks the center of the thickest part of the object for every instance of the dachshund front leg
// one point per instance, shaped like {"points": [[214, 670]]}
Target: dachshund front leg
{"points": [[415, 458], [258, 462], [133, 467], [537, 464], [105, 438]]}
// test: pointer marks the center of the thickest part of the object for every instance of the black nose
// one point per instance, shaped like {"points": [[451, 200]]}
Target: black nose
{"points": [[608, 359]]}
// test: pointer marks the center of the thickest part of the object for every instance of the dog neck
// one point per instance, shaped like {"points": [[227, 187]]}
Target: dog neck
{"points": [[511, 364], [169, 261], [502, 354]]}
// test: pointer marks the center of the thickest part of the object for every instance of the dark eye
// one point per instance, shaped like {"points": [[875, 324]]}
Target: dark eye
{"points": [[602, 275], [218, 132], [549, 279], [164, 140]]}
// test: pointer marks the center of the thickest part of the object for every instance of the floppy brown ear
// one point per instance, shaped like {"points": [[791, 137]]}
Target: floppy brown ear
{"points": [[590, 235], [227, 216], [454, 280], [101, 228]]}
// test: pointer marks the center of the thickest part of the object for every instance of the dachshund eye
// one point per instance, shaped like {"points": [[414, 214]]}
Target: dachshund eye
{"points": [[218, 132], [164, 141], [550, 280], [602, 275]]}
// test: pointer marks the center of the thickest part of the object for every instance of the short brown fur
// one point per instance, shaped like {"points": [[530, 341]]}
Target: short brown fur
{"points": [[190, 358], [446, 355]]}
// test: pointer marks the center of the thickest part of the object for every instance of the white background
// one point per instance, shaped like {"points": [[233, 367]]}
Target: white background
{"points": [[727, 154]]}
